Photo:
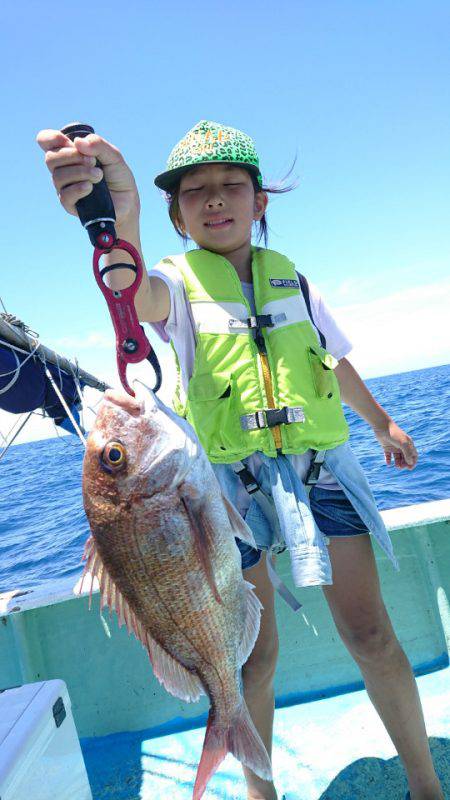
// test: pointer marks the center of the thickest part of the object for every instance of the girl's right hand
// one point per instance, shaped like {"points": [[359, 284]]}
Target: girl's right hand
{"points": [[72, 165]]}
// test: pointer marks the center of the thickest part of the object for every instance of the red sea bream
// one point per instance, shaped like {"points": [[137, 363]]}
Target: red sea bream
{"points": [[163, 550]]}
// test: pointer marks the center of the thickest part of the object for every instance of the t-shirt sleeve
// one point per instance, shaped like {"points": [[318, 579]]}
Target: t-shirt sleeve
{"points": [[167, 272], [179, 326], [337, 343]]}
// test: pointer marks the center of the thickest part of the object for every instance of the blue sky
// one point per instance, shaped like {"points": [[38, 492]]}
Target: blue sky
{"points": [[357, 91]]}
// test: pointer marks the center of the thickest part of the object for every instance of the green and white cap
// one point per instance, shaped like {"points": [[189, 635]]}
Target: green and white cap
{"points": [[209, 142]]}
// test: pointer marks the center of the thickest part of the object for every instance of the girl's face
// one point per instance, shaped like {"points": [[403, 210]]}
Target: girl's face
{"points": [[218, 205]]}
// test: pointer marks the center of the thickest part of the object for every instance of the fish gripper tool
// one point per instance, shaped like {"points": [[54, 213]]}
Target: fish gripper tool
{"points": [[97, 215]]}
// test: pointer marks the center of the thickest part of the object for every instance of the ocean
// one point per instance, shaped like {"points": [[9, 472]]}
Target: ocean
{"points": [[43, 526]]}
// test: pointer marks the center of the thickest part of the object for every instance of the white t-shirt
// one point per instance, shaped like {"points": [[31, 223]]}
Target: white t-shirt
{"points": [[179, 327]]}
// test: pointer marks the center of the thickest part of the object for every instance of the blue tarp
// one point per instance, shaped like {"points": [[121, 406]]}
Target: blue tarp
{"points": [[32, 389]]}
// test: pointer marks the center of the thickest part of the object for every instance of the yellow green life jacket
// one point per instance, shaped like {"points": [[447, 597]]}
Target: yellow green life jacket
{"points": [[258, 383]]}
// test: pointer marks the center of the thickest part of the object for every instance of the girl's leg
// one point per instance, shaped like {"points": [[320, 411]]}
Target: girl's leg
{"points": [[258, 673], [365, 628]]}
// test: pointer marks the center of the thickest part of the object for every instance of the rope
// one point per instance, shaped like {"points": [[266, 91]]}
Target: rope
{"points": [[8, 445], [57, 367], [66, 441], [78, 388], [79, 392], [20, 365], [18, 323], [15, 347], [65, 406], [15, 373], [12, 320], [13, 426], [136, 380], [93, 408]]}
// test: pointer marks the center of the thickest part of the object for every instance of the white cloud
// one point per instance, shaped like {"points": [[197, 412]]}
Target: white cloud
{"points": [[354, 287], [403, 331], [97, 339]]}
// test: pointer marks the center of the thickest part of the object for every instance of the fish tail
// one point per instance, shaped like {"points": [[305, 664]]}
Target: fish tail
{"points": [[245, 743], [241, 739], [214, 751]]}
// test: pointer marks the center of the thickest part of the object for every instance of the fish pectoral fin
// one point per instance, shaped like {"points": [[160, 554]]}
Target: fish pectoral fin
{"points": [[178, 680], [253, 608], [238, 525], [203, 537]]}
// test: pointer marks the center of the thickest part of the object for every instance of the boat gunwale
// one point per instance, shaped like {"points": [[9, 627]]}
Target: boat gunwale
{"points": [[19, 600]]}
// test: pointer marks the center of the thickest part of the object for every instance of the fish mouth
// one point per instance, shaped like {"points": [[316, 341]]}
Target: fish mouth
{"points": [[129, 404]]}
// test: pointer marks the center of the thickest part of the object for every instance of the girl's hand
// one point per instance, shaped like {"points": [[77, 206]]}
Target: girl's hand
{"points": [[395, 442], [72, 165]]}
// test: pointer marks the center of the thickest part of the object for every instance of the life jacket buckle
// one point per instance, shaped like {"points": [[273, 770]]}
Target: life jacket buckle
{"points": [[249, 480], [263, 321], [257, 322], [271, 417], [276, 416], [313, 473]]}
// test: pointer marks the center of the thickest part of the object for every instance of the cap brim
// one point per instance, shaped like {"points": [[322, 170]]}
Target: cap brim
{"points": [[167, 181]]}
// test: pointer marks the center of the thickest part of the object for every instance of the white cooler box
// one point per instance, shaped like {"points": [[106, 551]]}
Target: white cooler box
{"points": [[40, 754]]}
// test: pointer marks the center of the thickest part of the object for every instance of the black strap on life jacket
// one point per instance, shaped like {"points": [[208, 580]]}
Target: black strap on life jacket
{"points": [[312, 476], [305, 292]]}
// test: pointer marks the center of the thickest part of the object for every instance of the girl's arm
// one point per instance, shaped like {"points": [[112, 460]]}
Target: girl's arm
{"points": [[394, 441], [152, 300], [72, 166]]}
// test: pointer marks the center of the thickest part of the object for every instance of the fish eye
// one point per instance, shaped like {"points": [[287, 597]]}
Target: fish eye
{"points": [[113, 456]]}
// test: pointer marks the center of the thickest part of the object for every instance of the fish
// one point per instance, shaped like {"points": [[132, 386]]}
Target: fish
{"points": [[162, 547]]}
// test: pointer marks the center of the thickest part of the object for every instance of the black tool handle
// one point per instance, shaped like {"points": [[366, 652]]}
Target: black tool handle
{"points": [[96, 211]]}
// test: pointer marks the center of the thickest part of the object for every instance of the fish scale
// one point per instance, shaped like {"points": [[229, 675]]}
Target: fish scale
{"points": [[163, 549]]}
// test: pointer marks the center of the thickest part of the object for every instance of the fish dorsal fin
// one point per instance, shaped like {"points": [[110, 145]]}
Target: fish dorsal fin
{"points": [[239, 527], [253, 610], [203, 536], [170, 673]]}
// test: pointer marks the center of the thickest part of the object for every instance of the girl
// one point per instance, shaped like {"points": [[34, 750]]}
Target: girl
{"points": [[264, 395]]}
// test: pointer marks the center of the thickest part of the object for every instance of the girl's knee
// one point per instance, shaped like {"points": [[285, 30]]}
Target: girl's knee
{"points": [[371, 641]]}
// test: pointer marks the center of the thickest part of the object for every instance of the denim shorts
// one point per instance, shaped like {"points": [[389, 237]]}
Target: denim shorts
{"points": [[333, 514]]}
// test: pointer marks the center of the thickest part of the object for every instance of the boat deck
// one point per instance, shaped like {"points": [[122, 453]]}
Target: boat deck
{"points": [[329, 742], [330, 749]]}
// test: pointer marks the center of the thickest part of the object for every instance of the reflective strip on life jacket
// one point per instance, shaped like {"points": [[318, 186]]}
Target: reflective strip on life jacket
{"points": [[210, 317], [293, 310]]}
